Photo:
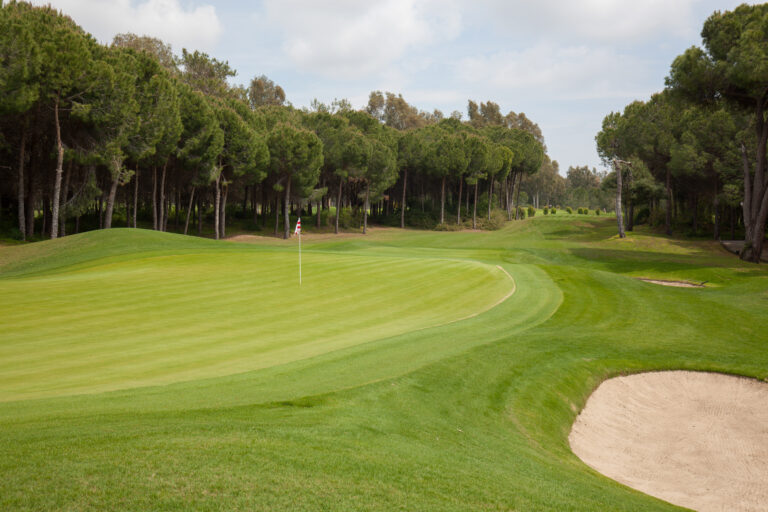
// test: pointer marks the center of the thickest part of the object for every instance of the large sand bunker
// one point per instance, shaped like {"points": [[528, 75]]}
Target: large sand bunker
{"points": [[699, 440]]}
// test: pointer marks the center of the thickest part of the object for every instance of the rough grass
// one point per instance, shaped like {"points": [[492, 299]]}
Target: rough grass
{"points": [[472, 414]]}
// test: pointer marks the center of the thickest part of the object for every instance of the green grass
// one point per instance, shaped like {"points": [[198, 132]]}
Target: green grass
{"points": [[363, 389]]}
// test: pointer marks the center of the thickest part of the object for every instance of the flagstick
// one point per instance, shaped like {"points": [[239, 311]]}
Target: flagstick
{"points": [[299, 257]]}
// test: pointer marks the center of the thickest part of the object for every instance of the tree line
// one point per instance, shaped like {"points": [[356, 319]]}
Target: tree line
{"points": [[697, 150], [96, 135]]}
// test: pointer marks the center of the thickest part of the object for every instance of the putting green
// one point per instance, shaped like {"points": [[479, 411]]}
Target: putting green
{"points": [[121, 322]]}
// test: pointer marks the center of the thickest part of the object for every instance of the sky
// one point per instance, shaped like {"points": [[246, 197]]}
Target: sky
{"points": [[565, 64]]}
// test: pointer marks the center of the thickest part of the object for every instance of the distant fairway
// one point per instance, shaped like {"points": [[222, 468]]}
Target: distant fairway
{"points": [[148, 371], [162, 317]]}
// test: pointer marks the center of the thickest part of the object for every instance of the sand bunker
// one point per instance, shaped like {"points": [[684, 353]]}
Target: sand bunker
{"points": [[699, 440], [679, 284]]}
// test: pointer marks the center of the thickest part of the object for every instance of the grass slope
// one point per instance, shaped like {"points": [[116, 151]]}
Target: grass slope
{"points": [[472, 414]]}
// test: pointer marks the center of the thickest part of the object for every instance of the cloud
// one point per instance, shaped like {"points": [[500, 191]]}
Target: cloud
{"points": [[615, 21], [351, 39], [559, 73], [195, 28]]}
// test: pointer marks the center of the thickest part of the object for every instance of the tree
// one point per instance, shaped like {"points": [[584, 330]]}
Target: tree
{"points": [[733, 66], [159, 50], [263, 91], [244, 152], [20, 63], [481, 158], [206, 74], [66, 74], [380, 173], [201, 141], [296, 155], [445, 157]]}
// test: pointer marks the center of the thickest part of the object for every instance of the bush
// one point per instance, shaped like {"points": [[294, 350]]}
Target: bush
{"points": [[546, 211], [520, 213], [498, 218], [569, 209], [642, 215], [553, 211], [597, 212], [531, 211], [580, 211]]}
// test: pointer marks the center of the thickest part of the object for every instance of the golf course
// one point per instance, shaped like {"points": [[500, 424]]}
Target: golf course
{"points": [[410, 370]]}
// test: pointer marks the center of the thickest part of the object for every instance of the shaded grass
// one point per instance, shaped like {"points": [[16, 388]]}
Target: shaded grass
{"points": [[470, 415]]}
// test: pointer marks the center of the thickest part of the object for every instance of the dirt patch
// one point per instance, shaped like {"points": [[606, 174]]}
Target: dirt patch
{"points": [[698, 440], [309, 236], [678, 284]]}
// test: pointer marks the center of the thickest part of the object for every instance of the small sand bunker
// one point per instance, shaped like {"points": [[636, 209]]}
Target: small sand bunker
{"points": [[679, 284], [698, 440]]}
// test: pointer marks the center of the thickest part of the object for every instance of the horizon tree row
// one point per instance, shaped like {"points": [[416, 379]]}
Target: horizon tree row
{"points": [[92, 135]]}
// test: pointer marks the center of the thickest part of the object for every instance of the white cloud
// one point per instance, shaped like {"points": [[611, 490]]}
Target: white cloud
{"points": [[559, 73], [616, 21], [351, 39], [195, 28]]}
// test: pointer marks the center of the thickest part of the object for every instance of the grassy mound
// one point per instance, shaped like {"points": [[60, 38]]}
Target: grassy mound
{"points": [[470, 414]]}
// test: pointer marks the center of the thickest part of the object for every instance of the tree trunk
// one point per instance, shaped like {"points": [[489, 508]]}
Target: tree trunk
{"points": [[506, 198], [135, 194], [716, 207], [162, 220], [668, 216], [287, 210], [338, 207], [474, 209], [65, 193], [365, 208], [189, 210], [490, 196], [223, 229], [402, 203], [22, 157], [517, 196], [216, 204], [29, 206], [116, 164], [619, 220], [458, 216], [59, 171], [154, 198], [199, 216], [178, 207], [277, 215], [442, 202]]}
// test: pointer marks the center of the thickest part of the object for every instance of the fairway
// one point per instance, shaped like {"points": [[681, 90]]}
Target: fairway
{"points": [[149, 371]]}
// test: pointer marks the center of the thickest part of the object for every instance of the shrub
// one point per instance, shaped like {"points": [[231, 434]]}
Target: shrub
{"points": [[520, 212], [580, 210], [597, 212], [553, 211], [498, 218], [569, 209], [546, 211], [531, 211]]}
